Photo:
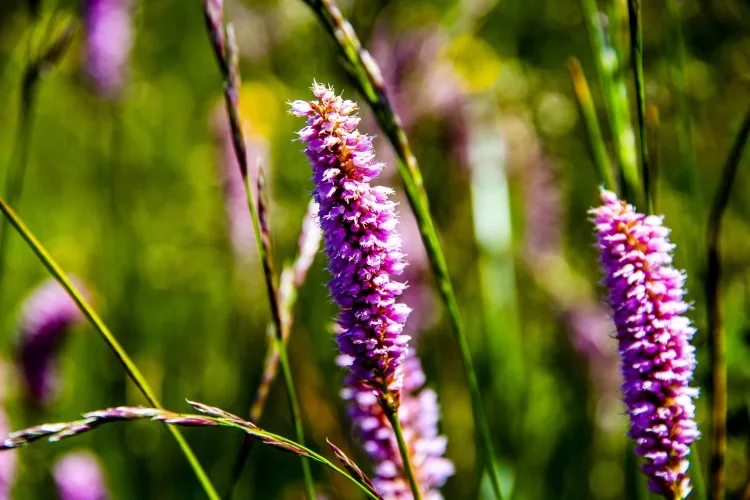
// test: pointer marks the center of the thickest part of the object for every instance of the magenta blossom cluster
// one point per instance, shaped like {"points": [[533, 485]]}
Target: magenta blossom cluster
{"points": [[361, 242], [78, 476], [646, 296], [46, 316], [109, 37], [419, 414]]}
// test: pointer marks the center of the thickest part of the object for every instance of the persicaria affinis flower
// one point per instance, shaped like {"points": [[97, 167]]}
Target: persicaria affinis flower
{"points": [[79, 476], [419, 414], [46, 316], [109, 37], [361, 242], [646, 296]]}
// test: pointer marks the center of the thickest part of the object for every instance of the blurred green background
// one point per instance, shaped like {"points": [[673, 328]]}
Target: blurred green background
{"points": [[127, 195]]}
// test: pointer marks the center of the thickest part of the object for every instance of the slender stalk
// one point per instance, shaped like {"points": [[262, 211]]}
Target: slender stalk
{"points": [[591, 123], [225, 47], [392, 415], [636, 61], [716, 333], [696, 473], [292, 278], [18, 163], [367, 75], [652, 131], [678, 81], [614, 92], [132, 370], [310, 454], [209, 417], [294, 407]]}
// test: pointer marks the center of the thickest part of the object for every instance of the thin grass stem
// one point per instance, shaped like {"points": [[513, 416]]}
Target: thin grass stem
{"points": [[652, 131], [15, 175], [225, 47], [714, 306], [366, 74], [678, 81], [403, 449], [636, 61], [696, 474], [209, 417], [614, 93], [130, 367], [591, 124]]}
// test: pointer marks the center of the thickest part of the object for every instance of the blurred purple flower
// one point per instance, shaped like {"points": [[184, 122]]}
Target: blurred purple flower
{"points": [[646, 296], [79, 476], [543, 206], [109, 38], [46, 316], [418, 82], [419, 414], [361, 242], [7, 461], [235, 198], [421, 85]]}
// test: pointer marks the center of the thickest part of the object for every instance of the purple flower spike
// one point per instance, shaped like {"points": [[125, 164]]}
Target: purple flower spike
{"points": [[361, 242], [419, 414], [645, 293], [109, 38], [46, 316], [78, 476]]}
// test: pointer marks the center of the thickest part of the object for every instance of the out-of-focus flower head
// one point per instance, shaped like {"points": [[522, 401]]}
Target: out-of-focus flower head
{"points": [[46, 316], [419, 414], [8, 460], [109, 39], [78, 476]]}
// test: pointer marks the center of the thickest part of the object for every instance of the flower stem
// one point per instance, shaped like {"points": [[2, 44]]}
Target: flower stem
{"points": [[591, 124], [614, 93], [132, 370], [367, 74], [225, 48], [636, 60], [716, 333], [392, 415]]}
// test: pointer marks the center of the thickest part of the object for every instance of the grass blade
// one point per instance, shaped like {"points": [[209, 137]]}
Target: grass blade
{"points": [[211, 417], [714, 306], [227, 55], [16, 173], [132, 370], [636, 60], [591, 124], [614, 92]]}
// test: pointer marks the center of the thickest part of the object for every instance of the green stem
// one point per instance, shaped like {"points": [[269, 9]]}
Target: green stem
{"points": [[367, 75], [231, 75], [716, 333], [636, 60], [614, 92], [132, 370], [16, 173], [310, 454], [696, 473], [677, 57], [392, 415], [591, 124], [296, 413]]}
